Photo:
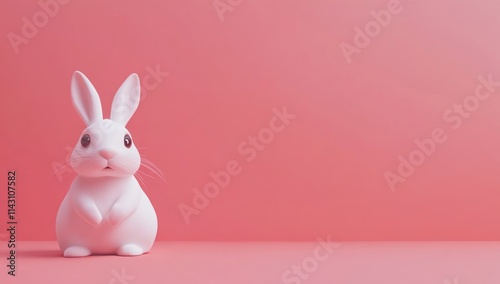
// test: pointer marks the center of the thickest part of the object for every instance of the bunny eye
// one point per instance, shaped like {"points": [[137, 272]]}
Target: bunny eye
{"points": [[127, 141], [85, 141]]}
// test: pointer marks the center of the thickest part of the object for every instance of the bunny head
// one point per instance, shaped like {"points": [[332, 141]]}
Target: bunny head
{"points": [[105, 147]]}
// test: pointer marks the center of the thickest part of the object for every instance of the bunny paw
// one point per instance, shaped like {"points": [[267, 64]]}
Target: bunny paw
{"points": [[76, 251], [130, 250]]}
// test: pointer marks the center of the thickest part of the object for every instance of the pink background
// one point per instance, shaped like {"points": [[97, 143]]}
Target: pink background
{"points": [[324, 173]]}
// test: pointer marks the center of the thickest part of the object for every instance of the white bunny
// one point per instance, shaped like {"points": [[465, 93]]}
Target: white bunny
{"points": [[105, 210]]}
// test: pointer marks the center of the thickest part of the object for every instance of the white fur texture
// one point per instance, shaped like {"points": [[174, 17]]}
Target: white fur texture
{"points": [[105, 210]]}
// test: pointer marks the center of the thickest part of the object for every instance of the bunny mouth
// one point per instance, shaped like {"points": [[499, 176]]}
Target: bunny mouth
{"points": [[108, 168]]}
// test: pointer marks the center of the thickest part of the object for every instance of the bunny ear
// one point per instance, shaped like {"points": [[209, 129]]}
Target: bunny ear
{"points": [[126, 100], [85, 98]]}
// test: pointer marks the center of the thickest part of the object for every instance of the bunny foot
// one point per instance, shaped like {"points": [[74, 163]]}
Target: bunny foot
{"points": [[76, 251], [130, 250]]}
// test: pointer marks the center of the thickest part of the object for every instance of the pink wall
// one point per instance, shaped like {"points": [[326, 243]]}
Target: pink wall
{"points": [[357, 102]]}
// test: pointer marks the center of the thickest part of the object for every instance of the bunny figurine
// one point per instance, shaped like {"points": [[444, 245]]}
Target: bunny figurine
{"points": [[105, 210]]}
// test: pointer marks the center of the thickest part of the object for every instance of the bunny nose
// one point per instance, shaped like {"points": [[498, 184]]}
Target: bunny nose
{"points": [[108, 154]]}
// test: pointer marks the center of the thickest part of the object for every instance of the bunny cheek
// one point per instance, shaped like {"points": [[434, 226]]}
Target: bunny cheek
{"points": [[121, 165], [90, 163]]}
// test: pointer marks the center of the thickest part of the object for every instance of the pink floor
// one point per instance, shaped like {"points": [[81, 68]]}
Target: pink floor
{"points": [[260, 263]]}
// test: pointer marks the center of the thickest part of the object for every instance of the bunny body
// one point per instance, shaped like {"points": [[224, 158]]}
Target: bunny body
{"points": [[105, 210], [104, 215]]}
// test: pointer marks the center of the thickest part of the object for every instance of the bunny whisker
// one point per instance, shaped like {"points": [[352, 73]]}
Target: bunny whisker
{"points": [[153, 170], [152, 167], [140, 178], [63, 168], [144, 173]]}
